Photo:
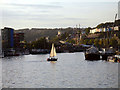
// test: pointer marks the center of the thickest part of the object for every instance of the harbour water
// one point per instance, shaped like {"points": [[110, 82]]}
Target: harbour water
{"points": [[70, 71]]}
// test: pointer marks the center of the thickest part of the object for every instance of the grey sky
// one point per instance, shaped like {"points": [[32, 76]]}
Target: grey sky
{"points": [[56, 13]]}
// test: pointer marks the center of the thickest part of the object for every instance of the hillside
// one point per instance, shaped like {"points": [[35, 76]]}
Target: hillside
{"points": [[34, 33]]}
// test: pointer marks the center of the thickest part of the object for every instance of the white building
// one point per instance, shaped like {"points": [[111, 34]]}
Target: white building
{"points": [[93, 30], [96, 30], [116, 28]]}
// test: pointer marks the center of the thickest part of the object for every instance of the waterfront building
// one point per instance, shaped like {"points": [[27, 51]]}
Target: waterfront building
{"points": [[7, 38], [0, 43], [19, 40]]}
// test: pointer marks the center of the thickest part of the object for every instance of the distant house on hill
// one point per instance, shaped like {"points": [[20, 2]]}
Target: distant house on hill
{"points": [[93, 31], [116, 28]]}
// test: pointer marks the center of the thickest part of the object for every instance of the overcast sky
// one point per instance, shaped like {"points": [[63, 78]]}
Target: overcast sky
{"points": [[56, 13]]}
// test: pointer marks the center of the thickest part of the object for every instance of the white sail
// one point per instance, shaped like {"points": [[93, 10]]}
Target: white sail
{"points": [[53, 51]]}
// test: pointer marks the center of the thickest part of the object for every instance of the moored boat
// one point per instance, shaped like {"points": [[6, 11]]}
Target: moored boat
{"points": [[113, 59], [11, 52], [92, 54], [107, 52]]}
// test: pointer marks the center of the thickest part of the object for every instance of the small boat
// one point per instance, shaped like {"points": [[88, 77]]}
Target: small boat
{"points": [[11, 52], [107, 52], [118, 58], [115, 58], [92, 54], [52, 54], [112, 59]]}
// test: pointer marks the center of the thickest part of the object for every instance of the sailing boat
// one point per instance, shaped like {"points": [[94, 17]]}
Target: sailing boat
{"points": [[52, 54]]}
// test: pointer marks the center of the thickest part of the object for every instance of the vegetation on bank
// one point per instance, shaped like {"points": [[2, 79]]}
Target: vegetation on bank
{"points": [[35, 38], [101, 42]]}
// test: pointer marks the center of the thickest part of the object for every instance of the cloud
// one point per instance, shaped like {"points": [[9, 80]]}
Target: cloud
{"points": [[34, 5], [57, 13], [29, 11]]}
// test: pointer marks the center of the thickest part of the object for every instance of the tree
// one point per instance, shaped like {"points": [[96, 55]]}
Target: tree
{"points": [[55, 39], [106, 42], [101, 43], [91, 41], [40, 44], [64, 36], [101, 25], [113, 42], [86, 41], [71, 41], [96, 42], [87, 30]]}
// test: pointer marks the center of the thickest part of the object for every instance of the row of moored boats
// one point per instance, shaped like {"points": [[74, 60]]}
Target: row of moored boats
{"points": [[106, 54]]}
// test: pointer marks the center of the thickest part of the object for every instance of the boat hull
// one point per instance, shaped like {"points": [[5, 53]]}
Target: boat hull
{"points": [[106, 55], [92, 57], [52, 59], [112, 59]]}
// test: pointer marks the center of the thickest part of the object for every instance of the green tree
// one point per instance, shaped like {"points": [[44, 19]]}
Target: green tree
{"points": [[86, 41], [101, 25], [96, 42], [87, 30], [55, 39], [113, 42], [91, 41], [40, 44], [101, 43], [106, 43], [64, 36], [71, 41]]}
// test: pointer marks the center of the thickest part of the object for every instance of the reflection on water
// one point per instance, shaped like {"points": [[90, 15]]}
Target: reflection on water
{"points": [[53, 62], [70, 71]]}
